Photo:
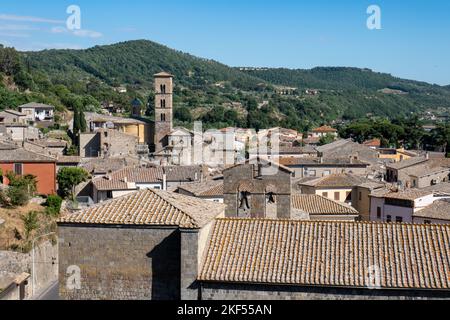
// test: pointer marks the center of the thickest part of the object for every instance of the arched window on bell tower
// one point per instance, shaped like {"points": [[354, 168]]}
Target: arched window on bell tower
{"points": [[163, 117], [163, 88], [163, 104]]}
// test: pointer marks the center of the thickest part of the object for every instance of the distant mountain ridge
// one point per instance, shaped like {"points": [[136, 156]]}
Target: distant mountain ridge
{"points": [[209, 90]]}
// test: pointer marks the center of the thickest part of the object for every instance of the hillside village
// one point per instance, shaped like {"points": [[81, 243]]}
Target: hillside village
{"points": [[179, 213]]}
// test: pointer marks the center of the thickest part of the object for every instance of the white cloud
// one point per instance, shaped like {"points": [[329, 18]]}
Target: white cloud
{"points": [[17, 27], [14, 34], [84, 33], [12, 17], [87, 33]]}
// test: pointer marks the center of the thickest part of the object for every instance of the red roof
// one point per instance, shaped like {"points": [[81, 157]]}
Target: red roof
{"points": [[325, 129]]}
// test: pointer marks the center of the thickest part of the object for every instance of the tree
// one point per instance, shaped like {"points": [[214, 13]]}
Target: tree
{"points": [[328, 138], [30, 223], [69, 178]]}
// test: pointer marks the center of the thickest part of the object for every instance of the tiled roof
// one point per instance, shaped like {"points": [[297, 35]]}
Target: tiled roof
{"points": [[407, 163], [334, 180], [439, 209], [318, 205], [372, 143], [100, 165], [324, 129], [119, 180], [14, 154], [336, 254], [149, 208], [68, 159], [205, 189], [410, 194]]}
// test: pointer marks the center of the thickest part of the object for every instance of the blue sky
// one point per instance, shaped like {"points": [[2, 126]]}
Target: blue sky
{"points": [[414, 41]]}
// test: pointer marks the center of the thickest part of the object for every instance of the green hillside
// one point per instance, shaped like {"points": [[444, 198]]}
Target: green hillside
{"points": [[208, 90]]}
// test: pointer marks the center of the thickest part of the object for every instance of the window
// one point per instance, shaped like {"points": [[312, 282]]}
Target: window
{"points": [[337, 196], [378, 212], [18, 168], [360, 196], [163, 117], [244, 200], [398, 219], [163, 88], [312, 173], [163, 104], [325, 194], [388, 218], [326, 173], [109, 195]]}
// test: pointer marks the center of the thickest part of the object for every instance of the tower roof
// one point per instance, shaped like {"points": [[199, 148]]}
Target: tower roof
{"points": [[163, 75]]}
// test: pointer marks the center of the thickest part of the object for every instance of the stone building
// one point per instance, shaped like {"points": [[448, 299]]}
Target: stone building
{"points": [[257, 189], [163, 109], [108, 143], [159, 245]]}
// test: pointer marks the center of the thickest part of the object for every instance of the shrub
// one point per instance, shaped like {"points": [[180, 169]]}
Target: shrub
{"points": [[30, 222], [18, 196], [53, 205]]}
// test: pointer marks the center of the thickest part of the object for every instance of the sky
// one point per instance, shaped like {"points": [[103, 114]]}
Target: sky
{"points": [[413, 42]]}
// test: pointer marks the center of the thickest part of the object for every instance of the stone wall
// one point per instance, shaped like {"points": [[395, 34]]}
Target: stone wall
{"points": [[228, 291], [120, 263], [46, 266], [280, 181]]}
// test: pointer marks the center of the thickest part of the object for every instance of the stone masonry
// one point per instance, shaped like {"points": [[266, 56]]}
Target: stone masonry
{"points": [[268, 195]]}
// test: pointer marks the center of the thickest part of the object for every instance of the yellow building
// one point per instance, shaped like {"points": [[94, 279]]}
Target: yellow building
{"points": [[396, 155], [135, 127]]}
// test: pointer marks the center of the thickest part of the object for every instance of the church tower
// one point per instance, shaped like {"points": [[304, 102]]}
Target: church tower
{"points": [[163, 109]]}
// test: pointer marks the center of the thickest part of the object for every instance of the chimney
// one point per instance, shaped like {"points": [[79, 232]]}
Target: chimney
{"points": [[164, 181]]}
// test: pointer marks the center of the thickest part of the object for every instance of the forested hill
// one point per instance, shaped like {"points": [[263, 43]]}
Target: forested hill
{"points": [[208, 90], [135, 63], [341, 78]]}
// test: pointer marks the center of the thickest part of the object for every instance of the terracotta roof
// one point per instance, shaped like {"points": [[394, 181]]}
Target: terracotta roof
{"points": [[211, 188], [119, 180], [149, 208], [324, 129], [336, 254], [183, 173], [407, 163], [292, 161], [410, 194], [334, 180], [68, 159], [101, 165], [439, 210], [14, 154], [265, 163], [318, 205], [372, 143]]}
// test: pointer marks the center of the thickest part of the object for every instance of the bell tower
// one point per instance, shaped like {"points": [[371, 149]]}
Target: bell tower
{"points": [[163, 109]]}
